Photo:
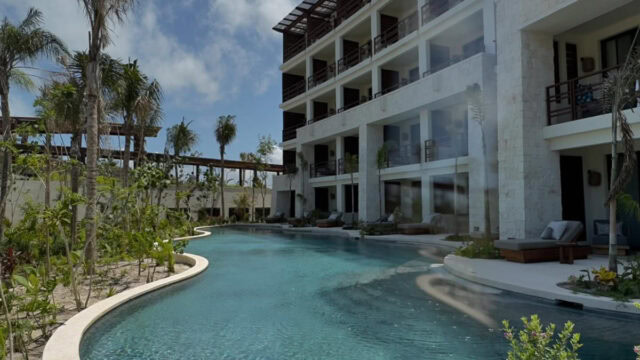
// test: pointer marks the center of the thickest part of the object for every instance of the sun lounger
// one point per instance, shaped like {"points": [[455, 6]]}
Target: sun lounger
{"points": [[334, 220], [547, 246], [276, 218], [432, 225]]}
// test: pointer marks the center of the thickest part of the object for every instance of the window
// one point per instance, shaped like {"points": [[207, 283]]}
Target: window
{"points": [[444, 196], [616, 48]]}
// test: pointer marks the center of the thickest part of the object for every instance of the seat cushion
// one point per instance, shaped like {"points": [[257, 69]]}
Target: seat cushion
{"points": [[524, 244]]}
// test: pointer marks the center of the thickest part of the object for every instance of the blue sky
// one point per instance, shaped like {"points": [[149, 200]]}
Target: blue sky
{"points": [[212, 57]]}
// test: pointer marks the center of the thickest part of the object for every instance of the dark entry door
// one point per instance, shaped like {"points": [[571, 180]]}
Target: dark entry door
{"points": [[322, 199], [572, 188], [292, 204]]}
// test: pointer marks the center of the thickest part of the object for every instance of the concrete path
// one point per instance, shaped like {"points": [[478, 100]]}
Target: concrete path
{"points": [[538, 279]]}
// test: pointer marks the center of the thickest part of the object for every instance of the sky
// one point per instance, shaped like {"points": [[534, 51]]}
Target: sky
{"points": [[212, 58]]}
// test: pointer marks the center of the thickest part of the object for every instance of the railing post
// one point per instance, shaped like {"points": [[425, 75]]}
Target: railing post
{"points": [[572, 99]]}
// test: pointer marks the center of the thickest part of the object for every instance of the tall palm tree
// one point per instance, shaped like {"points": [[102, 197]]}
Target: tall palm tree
{"points": [[351, 166], [149, 114], [19, 44], [101, 14], [137, 95], [181, 139], [225, 133]]}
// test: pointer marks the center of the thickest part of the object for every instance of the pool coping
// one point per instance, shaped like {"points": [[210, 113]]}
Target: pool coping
{"points": [[468, 269], [64, 344]]}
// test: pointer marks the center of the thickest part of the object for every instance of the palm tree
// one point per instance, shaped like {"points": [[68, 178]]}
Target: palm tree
{"points": [[19, 44], [245, 158], [181, 139], [225, 133], [101, 14], [148, 115], [304, 164], [136, 95], [617, 98], [351, 166]]}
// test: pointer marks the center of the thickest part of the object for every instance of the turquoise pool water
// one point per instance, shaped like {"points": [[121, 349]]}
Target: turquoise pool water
{"points": [[274, 296]]}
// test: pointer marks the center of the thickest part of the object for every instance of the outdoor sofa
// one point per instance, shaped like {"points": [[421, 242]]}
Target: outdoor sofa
{"points": [[600, 240], [547, 247], [334, 220], [384, 225], [432, 225], [300, 222], [276, 218]]}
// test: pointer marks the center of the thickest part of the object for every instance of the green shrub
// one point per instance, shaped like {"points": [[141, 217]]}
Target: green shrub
{"points": [[479, 249], [537, 343]]}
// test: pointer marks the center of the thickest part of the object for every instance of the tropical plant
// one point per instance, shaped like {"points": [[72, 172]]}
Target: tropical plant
{"points": [[266, 147], [304, 164], [19, 44], [535, 342], [225, 132], [211, 183], [139, 98], [617, 97], [181, 139], [101, 14], [351, 166], [382, 159], [241, 203]]}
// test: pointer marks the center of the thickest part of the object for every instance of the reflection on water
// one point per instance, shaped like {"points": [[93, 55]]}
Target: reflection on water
{"points": [[274, 296]]}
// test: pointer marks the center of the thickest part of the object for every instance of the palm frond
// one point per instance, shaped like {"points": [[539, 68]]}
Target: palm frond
{"points": [[21, 79]]}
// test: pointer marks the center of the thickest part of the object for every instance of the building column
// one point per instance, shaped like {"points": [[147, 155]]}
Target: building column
{"points": [[375, 80], [371, 138], [340, 200], [489, 21], [309, 70], [309, 110], [424, 56], [302, 184], [375, 25], [477, 169], [427, 201], [529, 172], [339, 97], [339, 50], [425, 131]]}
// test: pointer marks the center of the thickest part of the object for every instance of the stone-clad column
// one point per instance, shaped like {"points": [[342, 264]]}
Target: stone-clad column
{"points": [[371, 138]]}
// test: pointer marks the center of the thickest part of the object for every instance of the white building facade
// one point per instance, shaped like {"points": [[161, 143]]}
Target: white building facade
{"points": [[360, 74]]}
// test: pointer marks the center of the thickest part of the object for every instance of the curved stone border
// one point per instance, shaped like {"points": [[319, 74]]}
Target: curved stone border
{"points": [[464, 268], [64, 344]]}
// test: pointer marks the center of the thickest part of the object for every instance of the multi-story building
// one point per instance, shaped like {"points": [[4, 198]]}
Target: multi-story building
{"points": [[361, 74], [553, 128]]}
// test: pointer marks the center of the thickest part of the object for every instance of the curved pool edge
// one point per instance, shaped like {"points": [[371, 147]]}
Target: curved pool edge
{"points": [[468, 269], [64, 344]]}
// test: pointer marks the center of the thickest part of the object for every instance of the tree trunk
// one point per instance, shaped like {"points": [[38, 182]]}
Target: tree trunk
{"points": [[6, 155], [487, 204], [127, 149], [177, 185], [353, 202], [75, 184], [455, 198], [47, 196], [613, 239], [222, 212], [380, 192], [92, 102]]}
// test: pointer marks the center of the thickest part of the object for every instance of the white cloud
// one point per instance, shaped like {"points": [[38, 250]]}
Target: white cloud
{"points": [[276, 157], [234, 15]]}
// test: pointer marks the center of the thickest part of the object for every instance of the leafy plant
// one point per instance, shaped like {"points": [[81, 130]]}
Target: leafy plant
{"points": [[604, 276], [481, 248], [535, 342]]}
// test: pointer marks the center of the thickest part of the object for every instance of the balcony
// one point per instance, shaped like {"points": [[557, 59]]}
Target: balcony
{"points": [[396, 32], [579, 98], [322, 76], [295, 49], [402, 83], [439, 66], [344, 170], [290, 132], [355, 57], [434, 8], [293, 91], [326, 168]]}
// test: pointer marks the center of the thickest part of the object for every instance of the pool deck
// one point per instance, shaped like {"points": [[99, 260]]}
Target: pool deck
{"points": [[537, 279]]}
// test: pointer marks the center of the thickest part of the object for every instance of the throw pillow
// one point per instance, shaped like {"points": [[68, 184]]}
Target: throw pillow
{"points": [[602, 228], [547, 234], [558, 228]]}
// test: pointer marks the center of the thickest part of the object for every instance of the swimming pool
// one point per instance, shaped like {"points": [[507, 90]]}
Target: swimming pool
{"points": [[275, 296]]}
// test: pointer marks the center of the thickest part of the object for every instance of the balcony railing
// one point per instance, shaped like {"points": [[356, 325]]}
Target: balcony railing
{"points": [[343, 169], [321, 117], [326, 168], [290, 132], [394, 87], [453, 60], [322, 75], [293, 91], [295, 49], [319, 32], [434, 8], [408, 155], [396, 32], [363, 99], [429, 150], [355, 57], [577, 98]]}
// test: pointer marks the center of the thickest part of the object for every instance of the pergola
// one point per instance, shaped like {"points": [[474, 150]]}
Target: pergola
{"points": [[297, 22]]}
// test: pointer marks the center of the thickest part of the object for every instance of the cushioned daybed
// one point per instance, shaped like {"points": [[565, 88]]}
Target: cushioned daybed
{"points": [[432, 225], [547, 246], [334, 220]]}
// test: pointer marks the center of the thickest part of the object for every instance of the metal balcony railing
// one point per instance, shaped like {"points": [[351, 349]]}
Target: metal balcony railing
{"points": [[294, 90], [294, 49], [577, 98], [396, 32], [290, 132], [326, 168], [402, 83], [363, 99], [322, 75], [453, 60], [434, 8], [355, 57]]}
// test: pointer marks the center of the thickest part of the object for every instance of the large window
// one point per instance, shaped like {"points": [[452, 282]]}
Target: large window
{"points": [[449, 131], [616, 48], [445, 199]]}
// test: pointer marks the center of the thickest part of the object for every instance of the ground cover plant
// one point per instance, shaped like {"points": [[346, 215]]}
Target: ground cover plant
{"points": [[622, 286]]}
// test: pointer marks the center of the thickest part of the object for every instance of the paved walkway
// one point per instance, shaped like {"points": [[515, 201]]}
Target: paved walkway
{"points": [[538, 279]]}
